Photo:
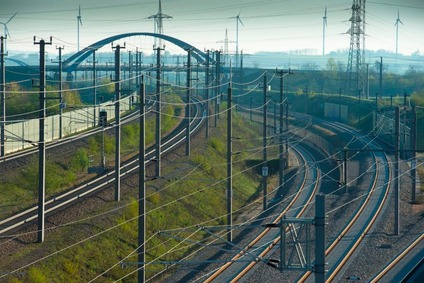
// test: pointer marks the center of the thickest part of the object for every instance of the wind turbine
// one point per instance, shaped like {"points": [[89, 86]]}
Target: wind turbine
{"points": [[397, 32], [238, 20], [79, 22], [324, 26], [6, 30]]}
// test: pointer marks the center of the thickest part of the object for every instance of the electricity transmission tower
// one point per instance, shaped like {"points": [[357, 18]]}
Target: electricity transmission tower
{"points": [[355, 81], [226, 41], [158, 24], [79, 23]]}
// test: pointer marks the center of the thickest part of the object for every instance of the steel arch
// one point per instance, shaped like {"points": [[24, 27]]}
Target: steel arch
{"points": [[72, 62]]}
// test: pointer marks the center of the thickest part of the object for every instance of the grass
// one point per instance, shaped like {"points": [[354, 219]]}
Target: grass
{"points": [[179, 203], [19, 190]]}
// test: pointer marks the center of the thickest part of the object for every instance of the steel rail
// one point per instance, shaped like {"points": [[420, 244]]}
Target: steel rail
{"points": [[267, 230], [106, 179]]}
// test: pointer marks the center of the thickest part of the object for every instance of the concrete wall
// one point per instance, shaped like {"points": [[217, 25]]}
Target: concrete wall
{"points": [[24, 134]]}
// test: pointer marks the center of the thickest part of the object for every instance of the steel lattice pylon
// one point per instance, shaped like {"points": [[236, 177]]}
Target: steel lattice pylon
{"points": [[355, 80]]}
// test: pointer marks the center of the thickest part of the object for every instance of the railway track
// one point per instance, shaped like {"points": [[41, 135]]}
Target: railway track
{"points": [[342, 248], [344, 245], [406, 266], [67, 198], [239, 265], [125, 119]]}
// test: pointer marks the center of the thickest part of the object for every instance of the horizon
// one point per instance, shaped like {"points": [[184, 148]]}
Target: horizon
{"points": [[267, 26]]}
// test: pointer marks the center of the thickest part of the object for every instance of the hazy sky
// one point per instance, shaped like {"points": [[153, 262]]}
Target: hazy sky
{"points": [[269, 25]]}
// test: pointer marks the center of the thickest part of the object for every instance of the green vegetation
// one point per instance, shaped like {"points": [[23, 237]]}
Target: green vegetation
{"points": [[198, 198], [20, 189], [19, 101]]}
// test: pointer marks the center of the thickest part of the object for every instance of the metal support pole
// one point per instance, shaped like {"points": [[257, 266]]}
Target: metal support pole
{"points": [[414, 154], [142, 187], [265, 158], [207, 93], [61, 103], [281, 140], [158, 116], [340, 104], [94, 89], [286, 130], [103, 157], [188, 85], [229, 166], [319, 268], [275, 118], [217, 85], [3, 98], [368, 82], [251, 109], [380, 83], [41, 143], [130, 77], [137, 67], [117, 122], [345, 169], [397, 176]]}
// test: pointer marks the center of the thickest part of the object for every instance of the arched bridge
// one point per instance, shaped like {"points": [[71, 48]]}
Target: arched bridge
{"points": [[72, 62]]}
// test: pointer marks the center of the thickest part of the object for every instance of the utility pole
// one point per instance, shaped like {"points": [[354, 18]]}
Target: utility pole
{"points": [[3, 97], [251, 109], [94, 88], [282, 74], [340, 104], [158, 116], [217, 84], [368, 82], [229, 165], [41, 142], [319, 268], [345, 169], [61, 102], [265, 158], [207, 92], [286, 130], [397, 141], [137, 66], [188, 114], [240, 77], [414, 154], [142, 187], [117, 121], [380, 82], [130, 77]]}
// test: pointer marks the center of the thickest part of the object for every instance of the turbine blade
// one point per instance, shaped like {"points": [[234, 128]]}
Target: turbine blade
{"points": [[7, 33], [11, 18], [240, 20]]}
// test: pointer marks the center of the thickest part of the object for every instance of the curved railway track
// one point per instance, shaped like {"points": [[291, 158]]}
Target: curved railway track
{"points": [[66, 198], [405, 265], [344, 245], [125, 119], [340, 251], [239, 265]]}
